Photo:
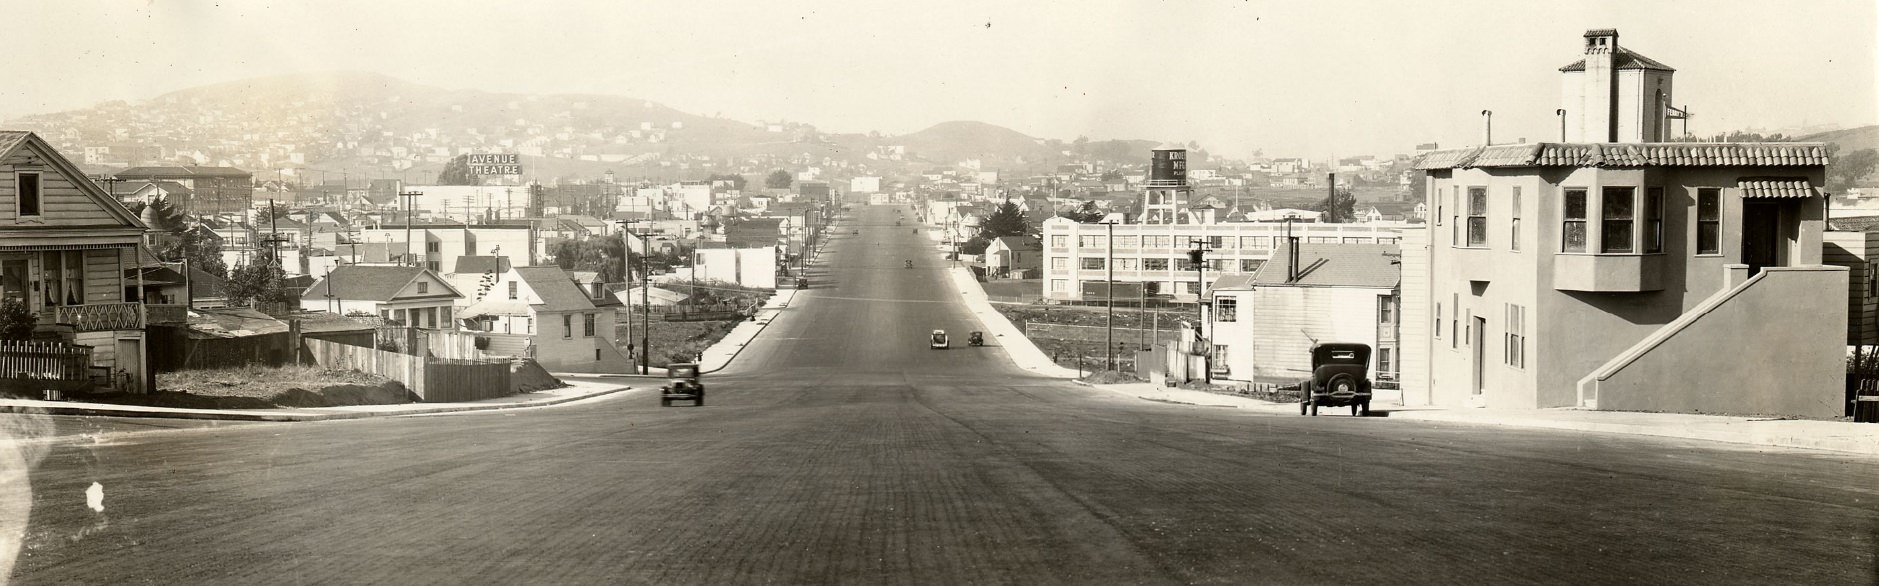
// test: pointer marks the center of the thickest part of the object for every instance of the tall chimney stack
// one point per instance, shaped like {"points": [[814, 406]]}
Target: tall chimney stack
{"points": [[1601, 86]]}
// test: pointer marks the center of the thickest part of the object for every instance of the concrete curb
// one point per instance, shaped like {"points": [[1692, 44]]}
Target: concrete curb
{"points": [[95, 409], [1011, 340], [1865, 444], [737, 346]]}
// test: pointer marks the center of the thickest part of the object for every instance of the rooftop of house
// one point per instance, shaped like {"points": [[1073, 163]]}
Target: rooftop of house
{"points": [[364, 282], [1624, 58], [1653, 154], [180, 172], [555, 287], [232, 322], [1334, 265], [482, 264]]}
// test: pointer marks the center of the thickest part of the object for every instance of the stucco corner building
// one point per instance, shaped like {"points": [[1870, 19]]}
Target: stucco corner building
{"points": [[1618, 270]]}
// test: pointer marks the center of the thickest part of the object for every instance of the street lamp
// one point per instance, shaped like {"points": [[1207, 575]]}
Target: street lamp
{"points": [[645, 292]]}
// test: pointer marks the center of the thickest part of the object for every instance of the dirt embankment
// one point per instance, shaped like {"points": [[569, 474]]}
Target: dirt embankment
{"points": [[264, 388]]}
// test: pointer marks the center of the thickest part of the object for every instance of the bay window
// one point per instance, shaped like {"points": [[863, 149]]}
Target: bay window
{"points": [[1477, 216], [1617, 219], [1572, 230]]}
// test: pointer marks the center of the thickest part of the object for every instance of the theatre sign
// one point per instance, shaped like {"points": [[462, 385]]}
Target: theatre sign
{"points": [[496, 164]]}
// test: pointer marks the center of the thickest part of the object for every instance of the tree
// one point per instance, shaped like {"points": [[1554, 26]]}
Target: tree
{"points": [[778, 179], [258, 282], [1007, 220], [457, 172], [201, 248], [1847, 171], [16, 320], [168, 218], [600, 255], [1086, 214], [1339, 207]]}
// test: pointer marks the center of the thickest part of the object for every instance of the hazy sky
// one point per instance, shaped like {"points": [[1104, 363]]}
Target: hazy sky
{"points": [[1296, 77]]}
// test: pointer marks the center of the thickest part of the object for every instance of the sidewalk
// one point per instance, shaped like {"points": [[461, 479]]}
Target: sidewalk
{"points": [[1833, 436], [719, 355], [575, 391], [1001, 331]]}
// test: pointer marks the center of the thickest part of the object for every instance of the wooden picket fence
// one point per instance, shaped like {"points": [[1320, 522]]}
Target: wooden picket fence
{"points": [[432, 380], [44, 361]]}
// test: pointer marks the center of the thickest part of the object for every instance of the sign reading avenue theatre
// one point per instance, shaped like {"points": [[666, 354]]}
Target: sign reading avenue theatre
{"points": [[496, 164]]}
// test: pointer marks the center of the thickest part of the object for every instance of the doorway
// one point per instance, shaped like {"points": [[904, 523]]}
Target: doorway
{"points": [[1761, 235], [1478, 339]]}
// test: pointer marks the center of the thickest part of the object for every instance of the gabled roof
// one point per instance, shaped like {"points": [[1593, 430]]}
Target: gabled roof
{"points": [[1020, 243], [233, 322], [1623, 58], [1652, 154], [1334, 265], [12, 141], [370, 283], [181, 172], [555, 287], [482, 264]]}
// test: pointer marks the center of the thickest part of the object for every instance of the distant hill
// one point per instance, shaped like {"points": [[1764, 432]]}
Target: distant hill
{"points": [[1849, 139], [373, 125]]}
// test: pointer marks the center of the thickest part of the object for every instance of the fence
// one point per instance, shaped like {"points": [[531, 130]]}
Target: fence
{"points": [[1132, 336], [432, 380], [44, 361]]}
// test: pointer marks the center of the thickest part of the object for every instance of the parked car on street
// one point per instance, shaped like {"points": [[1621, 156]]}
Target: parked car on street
{"points": [[1340, 376]]}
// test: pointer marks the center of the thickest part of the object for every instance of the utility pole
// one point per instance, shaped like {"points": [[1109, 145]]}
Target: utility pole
{"points": [[411, 198], [1198, 256], [1109, 298]]}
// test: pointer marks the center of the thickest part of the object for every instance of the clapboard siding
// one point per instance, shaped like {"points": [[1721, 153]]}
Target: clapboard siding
{"points": [[63, 202], [104, 282], [1855, 251], [1288, 320]]}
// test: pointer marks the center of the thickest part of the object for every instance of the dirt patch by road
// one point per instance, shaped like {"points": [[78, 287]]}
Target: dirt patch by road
{"points": [[263, 388]]}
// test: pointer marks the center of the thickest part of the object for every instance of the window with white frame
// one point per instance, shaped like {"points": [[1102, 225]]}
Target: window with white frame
{"points": [[1060, 263], [1126, 264], [1618, 220], [1128, 241], [1454, 213], [423, 287], [1090, 241], [1516, 352], [587, 324], [30, 193], [1386, 309], [567, 325], [1059, 241], [1059, 285], [1708, 220], [1513, 234], [1438, 320], [1477, 216], [1654, 220], [1154, 264], [1251, 265], [1226, 309], [1384, 364], [1572, 231], [1092, 262]]}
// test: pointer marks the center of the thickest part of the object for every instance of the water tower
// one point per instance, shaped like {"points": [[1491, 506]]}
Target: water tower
{"points": [[1165, 194]]}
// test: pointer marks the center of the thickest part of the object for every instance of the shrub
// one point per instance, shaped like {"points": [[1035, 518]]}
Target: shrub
{"points": [[16, 320]]}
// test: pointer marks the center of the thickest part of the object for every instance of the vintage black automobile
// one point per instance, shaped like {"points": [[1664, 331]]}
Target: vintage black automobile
{"points": [[976, 338], [939, 341], [1340, 376], [682, 385]]}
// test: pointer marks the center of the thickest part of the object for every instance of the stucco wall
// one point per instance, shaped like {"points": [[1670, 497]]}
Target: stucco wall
{"points": [[1774, 347]]}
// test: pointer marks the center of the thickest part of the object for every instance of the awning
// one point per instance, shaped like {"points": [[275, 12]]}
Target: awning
{"points": [[1774, 187]]}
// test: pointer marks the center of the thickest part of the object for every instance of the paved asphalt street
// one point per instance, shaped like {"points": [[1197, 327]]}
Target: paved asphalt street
{"points": [[839, 449]]}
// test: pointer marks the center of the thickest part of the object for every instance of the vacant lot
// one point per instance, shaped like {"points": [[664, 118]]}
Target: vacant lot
{"points": [[679, 341], [1081, 350], [260, 387]]}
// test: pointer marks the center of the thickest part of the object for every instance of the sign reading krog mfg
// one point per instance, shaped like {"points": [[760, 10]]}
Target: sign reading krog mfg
{"points": [[496, 164]]}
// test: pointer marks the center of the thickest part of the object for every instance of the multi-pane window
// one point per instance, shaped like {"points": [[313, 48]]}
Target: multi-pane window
{"points": [[1226, 309], [1154, 264], [1356, 240], [1155, 241], [1708, 220], [1128, 241], [1516, 351], [1617, 219], [1438, 207], [1059, 263], [1477, 216], [512, 289], [1384, 364], [1438, 321], [1251, 265], [1059, 285], [1089, 263], [1217, 241], [1454, 212], [587, 325], [1654, 219], [64, 282], [1126, 264], [1252, 242], [1386, 309], [1183, 264], [567, 325], [1320, 239], [1090, 241], [1454, 321], [29, 189], [1514, 211], [423, 287], [1572, 231], [1059, 241]]}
